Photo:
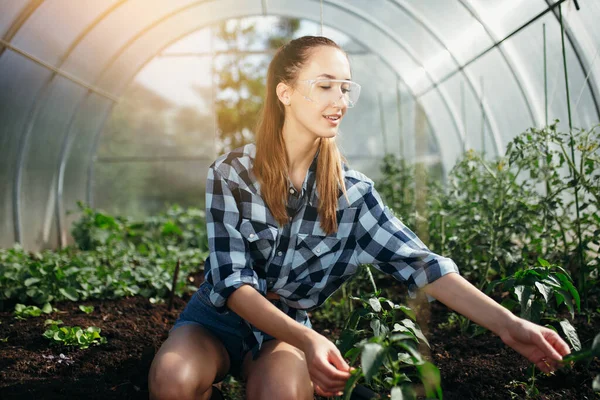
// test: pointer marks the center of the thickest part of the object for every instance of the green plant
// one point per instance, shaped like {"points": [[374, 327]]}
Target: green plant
{"points": [[22, 311], [586, 356], [86, 309], [387, 348], [74, 336]]}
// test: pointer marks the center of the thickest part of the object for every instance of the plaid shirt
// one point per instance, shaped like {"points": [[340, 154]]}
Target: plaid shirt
{"points": [[298, 261]]}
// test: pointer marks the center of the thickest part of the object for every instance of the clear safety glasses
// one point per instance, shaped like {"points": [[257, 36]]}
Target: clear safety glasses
{"points": [[331, 91]]}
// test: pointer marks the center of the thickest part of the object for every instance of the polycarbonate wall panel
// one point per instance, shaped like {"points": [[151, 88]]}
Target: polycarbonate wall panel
{"points": [[444, 125], [9, 11], [49, 32], [20, 80], [83, 131], [526, 48], [509, 108], [167, 32], [464, 37], [146, 188], [412, 32], [502, 17], [42, 159], [467, 108]]}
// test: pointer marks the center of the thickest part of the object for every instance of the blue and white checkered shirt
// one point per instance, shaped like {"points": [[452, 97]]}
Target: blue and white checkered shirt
{"points": [[298, 261]]}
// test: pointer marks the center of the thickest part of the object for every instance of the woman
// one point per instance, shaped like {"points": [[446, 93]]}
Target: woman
{"points": [[288, 223]]}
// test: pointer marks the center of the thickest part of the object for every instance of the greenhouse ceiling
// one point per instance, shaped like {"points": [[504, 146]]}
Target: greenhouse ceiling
{"points": [[480, 71]]}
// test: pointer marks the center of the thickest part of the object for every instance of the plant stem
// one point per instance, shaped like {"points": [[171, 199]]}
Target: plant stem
{"points": [[370, 274], [582, 267]]}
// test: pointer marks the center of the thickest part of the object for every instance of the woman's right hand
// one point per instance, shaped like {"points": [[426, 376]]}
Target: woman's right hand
{"points": [[327, 368]]}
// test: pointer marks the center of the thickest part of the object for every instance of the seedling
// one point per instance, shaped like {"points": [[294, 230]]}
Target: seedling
{"points": [[74, 336]]}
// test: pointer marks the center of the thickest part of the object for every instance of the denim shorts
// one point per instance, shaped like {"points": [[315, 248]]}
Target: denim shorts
{"points": [[229, 328]]}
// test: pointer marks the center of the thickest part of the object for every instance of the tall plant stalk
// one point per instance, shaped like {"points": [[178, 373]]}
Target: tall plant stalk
{"points": [[582, 267]]}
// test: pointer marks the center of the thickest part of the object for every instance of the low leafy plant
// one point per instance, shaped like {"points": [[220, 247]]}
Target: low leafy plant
{"points": [[86, 309], [386, 342], [535, 288], [74, 336], [22, 311]]}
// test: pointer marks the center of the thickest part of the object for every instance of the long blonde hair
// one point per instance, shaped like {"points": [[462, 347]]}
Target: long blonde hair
{"points": [[271, 164]]}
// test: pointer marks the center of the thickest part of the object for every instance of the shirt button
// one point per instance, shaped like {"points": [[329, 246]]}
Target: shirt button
{"points": [[292, 191], [318, 250], [252, 235], [280, 253]]}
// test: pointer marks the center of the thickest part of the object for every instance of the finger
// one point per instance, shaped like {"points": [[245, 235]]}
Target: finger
{"points": [[331, 371], [338, 361], [548, 350], [326, 385], [324, 393], [557, 342]]}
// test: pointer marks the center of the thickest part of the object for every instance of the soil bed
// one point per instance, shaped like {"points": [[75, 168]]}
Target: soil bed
{"points": [[472, 368]]}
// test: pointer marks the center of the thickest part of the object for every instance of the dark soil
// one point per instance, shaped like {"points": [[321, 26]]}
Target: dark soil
{"points": [[471, 368]]}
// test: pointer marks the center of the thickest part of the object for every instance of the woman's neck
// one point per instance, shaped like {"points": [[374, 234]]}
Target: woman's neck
{"points": [[301, 148]]}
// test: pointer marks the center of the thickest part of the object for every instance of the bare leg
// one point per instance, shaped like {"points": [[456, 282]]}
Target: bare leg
{"points": [[280, 372], [187, 364]]}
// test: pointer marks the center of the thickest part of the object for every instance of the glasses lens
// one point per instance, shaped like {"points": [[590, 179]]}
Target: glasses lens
{"points": [[330, 91]]}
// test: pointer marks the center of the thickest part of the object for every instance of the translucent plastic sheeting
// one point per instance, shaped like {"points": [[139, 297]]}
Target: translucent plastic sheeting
{"points": [[41, 161], [502, 17], [463, 36], [77, 179], [476, 121], [54, 26], [140, 189], [527, 50], [11, 10], [16, 102]]}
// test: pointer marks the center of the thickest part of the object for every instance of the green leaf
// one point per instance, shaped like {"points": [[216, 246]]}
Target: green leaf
{"points": [[69, 293], [408, 311], [86, 309], [430, 376], [545, 290], [397, 393], [375, 304], [416, 330], [351, 383], [571, 334], [31, 281], [47, 308], [596, 384], [371, 359], [543, 262]]}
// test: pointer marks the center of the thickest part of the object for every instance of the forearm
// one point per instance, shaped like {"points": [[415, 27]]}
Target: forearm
{"points": [[256, 309], [460, 295]]}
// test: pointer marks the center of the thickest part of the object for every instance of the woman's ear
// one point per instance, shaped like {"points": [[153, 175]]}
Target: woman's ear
{"points": [[284, 93]]}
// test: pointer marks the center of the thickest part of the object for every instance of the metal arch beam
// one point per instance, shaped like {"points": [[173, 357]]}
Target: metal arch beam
{"points": [[534, 118], [492, 126], [579, 53]]}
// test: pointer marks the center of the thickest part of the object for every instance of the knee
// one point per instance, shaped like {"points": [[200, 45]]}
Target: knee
{"points": [[168, 380]]}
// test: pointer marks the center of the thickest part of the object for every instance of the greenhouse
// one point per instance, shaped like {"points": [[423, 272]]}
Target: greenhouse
{"points": [[475, 122]]}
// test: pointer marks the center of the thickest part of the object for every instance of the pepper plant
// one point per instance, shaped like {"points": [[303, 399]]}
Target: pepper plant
{"points": [[386, 339]]}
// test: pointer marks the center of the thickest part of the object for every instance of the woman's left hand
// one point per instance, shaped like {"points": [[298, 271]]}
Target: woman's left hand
{"points": [[540, 345]]}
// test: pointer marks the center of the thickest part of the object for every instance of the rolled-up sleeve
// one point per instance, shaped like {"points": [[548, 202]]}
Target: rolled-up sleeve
{"points": [[230, 265], [386, 243]]}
